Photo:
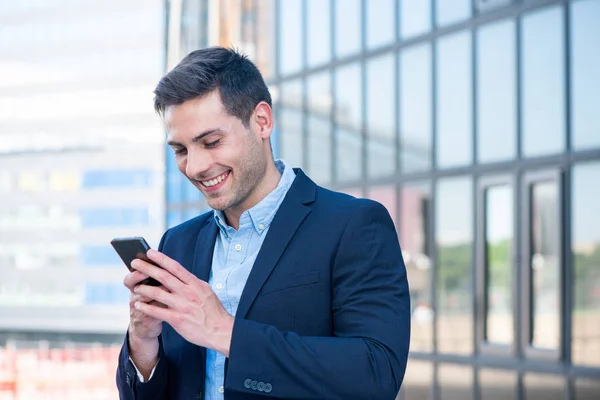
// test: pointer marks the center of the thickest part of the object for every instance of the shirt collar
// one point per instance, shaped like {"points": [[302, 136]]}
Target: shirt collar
{"points": [[261, 215]]}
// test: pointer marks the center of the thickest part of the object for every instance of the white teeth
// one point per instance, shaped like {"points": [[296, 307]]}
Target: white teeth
{"points": [[213, 182]]}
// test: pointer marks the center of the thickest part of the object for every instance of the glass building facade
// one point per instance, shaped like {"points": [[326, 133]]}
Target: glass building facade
{"points": [[476, 123]]}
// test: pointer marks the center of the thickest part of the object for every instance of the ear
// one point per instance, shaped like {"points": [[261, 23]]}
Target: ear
{"points": [[262, 119]]}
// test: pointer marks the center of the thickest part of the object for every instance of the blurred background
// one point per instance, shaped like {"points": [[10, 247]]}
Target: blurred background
{"points": [[475, 122]]}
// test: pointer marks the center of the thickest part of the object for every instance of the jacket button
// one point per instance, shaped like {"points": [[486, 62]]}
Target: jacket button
{"points": [[247, 383], [268, 387], [253, 385]]}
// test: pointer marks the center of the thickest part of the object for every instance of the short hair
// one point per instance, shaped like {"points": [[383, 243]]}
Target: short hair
{"points": [[239, 82]]}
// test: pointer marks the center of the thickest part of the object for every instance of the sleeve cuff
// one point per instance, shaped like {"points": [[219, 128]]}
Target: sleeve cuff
{"points": [[139, 375]]}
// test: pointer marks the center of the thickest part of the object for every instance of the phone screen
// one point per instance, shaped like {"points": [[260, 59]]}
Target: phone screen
{"points": [[131, 248]]}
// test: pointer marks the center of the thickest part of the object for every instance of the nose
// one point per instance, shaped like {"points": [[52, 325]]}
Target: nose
{"points": [[198, 163]]}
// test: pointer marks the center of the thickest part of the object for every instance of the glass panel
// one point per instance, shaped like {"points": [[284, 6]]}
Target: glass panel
{"points": [[586, 265], [415, 18], [319, 38], [498, 384], [587, 389], [544, 265], [585, 82], [381, 118], [452, 11], [415, 237], [348, 154], [348, 25], [454, 241], [380, 23], [496, 92], [454, 101], [544, 387], [415, 108], [348, 96], [418, 380], [290, 25], [319, 127], [456, 382], [265, 46], [542, 91], [386, 195], [499, 232], [290, 123]]}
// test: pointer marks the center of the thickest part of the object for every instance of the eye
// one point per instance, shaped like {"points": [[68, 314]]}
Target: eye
{"points": [[212, 144], [180, 150]]}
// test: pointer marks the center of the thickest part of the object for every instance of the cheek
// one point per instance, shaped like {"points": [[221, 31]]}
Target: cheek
{"points": [[181, 164]]}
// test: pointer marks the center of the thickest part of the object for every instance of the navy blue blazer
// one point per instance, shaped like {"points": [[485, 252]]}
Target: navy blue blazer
{"points": [[325, 313]]}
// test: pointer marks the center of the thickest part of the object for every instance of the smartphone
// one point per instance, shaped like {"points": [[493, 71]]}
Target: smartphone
{"points": [[129, 249]]}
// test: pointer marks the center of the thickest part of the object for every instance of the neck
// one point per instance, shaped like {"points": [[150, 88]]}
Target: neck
{"points": [[264, 187]]}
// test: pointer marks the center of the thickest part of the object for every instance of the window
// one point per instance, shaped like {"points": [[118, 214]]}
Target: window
{"points": [[94, 179], [93, 255], [380, 23], [585, 82], [386, 195], [415, 108], [415, 240], [113, 217], [452, 11], [290, 123], [546, 387], [348, 116], [454, 101], [456, 382], [174, 178], [498, 384], [497, 251], [415, 18], [381, 119], [319, 127], [496, 92], [418, 380], [586, 260], [290, 26], [318, 29], [106, 293], [454, 241], [65, 181], [542, 90], [348, 27]]}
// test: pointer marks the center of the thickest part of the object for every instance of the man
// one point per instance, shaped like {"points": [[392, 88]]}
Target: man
{"points": [[286, 290]]}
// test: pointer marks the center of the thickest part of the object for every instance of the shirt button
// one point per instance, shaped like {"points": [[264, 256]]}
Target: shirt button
{"points": [[219, 286], [221, 389], [261, 226], [238, 247]]}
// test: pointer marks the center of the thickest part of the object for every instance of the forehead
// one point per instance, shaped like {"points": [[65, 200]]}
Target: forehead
{"points": [[197, 114]]}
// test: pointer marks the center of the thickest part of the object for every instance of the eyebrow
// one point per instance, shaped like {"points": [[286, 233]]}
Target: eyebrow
{"points": [[198, 137]]}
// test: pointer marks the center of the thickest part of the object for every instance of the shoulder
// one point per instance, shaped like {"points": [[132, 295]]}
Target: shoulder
{"points": [[188, 228], [339, 204]]}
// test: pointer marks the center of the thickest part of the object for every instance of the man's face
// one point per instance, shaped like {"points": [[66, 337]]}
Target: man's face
{"points": [[223, 158]]}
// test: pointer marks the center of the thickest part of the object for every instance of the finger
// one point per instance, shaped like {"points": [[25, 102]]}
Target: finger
{"points": [[161, 275], [172, 266], [133, 278], [169, 299], [152, 311]]}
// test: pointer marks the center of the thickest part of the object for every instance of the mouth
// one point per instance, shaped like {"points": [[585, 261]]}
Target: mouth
{"points": [[214, 183]]}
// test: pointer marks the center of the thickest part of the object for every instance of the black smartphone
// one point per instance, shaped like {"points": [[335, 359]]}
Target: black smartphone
{"points": [[129, 249]]}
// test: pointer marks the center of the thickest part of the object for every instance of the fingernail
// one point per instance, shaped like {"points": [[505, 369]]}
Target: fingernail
{"points": [[152, 252], [135, 263]]}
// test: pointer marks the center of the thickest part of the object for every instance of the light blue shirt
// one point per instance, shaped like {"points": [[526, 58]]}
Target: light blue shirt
{"points": [[233, 258]]}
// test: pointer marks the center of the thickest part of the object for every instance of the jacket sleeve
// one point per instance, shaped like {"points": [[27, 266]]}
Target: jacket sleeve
{"points": [[366, 357], [128, 384]]}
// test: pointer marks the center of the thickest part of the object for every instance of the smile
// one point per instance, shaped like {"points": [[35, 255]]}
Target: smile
{"points": [[215, 181]]}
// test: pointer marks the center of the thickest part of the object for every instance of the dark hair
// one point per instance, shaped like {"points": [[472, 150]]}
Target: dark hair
{"points": [[239, 82]]}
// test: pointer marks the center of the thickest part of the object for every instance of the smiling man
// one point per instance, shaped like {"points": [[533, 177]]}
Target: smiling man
{"points": [[286, 290]]}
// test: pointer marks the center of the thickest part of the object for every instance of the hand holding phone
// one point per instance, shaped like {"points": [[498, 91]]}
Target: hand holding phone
{"points": [[131, 248]]}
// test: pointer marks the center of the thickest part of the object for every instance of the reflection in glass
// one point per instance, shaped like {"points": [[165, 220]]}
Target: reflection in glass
{"points": [[496, 92], [585, 80], [587, 389], [542, 91], [415, 237], [415, 108], [319, 39], [451, 11], [386, 195], [319, 127], [415, 18], [498, 266], [290, 27], [456, 382], [454, 101], [381, 118], [348, 154], [418, 380], [497, 384], [380, 23], [454, 241], [265, 44], [544, 265], [348, 25], [348, 96], [586, 265], [290, 136], [544, 387]]}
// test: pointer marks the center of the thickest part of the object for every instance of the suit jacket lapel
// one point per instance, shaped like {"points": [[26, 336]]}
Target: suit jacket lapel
{"points": [[205, 245], [288, 218]]}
